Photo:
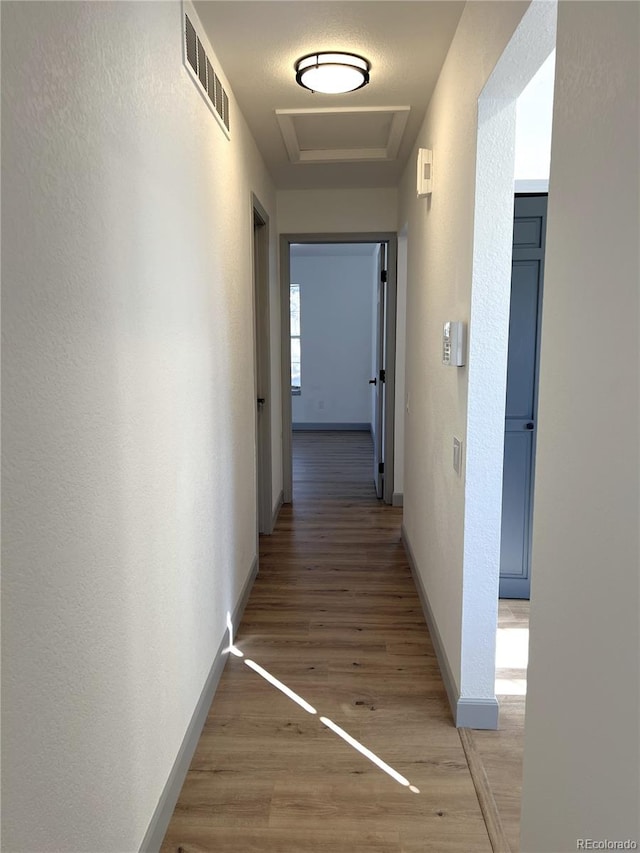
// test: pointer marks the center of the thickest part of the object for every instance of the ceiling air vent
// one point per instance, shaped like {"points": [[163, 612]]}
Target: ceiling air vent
{"points": [[197, 62]]}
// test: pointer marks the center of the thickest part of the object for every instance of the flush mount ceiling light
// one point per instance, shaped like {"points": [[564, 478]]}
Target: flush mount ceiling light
{"points": [[332, 73]]}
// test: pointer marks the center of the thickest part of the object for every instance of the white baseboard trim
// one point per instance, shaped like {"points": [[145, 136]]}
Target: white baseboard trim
{"points": [[321, 427], [467, 712], [159, 823], [397, 499], [276, 511], [477, 714]]}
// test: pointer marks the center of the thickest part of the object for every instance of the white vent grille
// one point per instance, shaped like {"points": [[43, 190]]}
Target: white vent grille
{"points": [[202, 73]]}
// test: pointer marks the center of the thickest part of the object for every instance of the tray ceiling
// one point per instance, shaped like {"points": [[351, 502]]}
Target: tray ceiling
{"points": [[361, 139], [342, 135]]}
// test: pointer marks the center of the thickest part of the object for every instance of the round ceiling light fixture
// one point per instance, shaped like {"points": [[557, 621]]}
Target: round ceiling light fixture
{"points": [[332, 73]]}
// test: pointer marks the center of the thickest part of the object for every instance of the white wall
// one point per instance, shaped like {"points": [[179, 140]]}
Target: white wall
{"points": [[336, 211], [335, 311], [129, 500], [439, 285], [581, 765]]}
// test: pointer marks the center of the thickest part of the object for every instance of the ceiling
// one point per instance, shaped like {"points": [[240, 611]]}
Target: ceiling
{"points": [[361, 139]]}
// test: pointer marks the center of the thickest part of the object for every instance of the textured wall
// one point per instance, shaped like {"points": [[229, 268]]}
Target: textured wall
{"points": [[336, 308], [128, 481], [333, 210], [582, 768], [440, 268]]}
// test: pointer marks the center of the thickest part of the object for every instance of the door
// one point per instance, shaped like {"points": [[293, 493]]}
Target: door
{"points": [[522, 392], [378, 380]]}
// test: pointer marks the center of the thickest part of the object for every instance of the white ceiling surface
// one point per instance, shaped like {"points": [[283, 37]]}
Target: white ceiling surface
{"points": [[258, 41]]}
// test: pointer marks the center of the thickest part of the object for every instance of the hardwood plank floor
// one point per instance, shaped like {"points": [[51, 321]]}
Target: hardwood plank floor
{"points": [[501, 752], [334, 615]]}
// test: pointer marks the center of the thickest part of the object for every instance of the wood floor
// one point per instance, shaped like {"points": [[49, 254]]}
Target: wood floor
{"points": [[335, 617], [501, 752]]}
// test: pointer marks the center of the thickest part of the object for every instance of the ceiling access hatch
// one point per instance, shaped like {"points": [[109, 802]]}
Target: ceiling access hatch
{"points": [[342, 134]]}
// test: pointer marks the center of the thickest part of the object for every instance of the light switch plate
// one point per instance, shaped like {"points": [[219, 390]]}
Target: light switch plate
{"points": [[457, 455], [424, 183]]}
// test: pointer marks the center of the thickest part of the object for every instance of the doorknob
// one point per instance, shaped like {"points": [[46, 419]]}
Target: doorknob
{"points": [[528, 426], [261, 402], [373, 381]]}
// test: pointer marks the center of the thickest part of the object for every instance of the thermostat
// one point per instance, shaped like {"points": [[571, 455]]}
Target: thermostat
{"points": [[453, 341]]}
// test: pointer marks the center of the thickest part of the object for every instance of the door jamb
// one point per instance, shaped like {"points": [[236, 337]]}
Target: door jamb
{"points": [[391, 239], [262, 363]]}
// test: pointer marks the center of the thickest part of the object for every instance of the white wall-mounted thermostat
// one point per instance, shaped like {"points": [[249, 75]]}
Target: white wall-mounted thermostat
{"points": [[425, 172], [453, 343]]}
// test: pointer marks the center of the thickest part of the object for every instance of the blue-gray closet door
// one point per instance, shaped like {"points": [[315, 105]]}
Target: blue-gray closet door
{"points": [[529, 228]]}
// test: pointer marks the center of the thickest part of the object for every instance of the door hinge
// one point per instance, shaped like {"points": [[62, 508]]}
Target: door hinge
{"points": [[383, 376], [380, 467], [383, 275]]}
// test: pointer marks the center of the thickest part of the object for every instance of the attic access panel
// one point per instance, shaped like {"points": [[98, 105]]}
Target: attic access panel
{"points": [[342, 134]]}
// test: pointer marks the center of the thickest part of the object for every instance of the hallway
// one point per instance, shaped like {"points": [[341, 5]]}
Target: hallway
{"points": [[334, 616]]}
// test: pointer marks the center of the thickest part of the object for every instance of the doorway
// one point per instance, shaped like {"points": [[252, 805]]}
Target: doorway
{"points": [[307, 406], [262, 367], [525, 312]]}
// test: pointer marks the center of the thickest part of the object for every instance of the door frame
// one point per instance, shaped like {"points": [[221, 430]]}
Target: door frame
{"points": [[391, 239], [262, 364], [380, 294]]}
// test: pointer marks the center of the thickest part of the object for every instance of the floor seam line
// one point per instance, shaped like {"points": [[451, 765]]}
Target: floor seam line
{"points": [[486, 800]]}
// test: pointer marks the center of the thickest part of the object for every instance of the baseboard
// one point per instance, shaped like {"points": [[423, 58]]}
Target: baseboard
{"points": [[316, 427], [159, 823], [477, 714], [467, 712], [397, 499], [276, 511], [445, 670]]}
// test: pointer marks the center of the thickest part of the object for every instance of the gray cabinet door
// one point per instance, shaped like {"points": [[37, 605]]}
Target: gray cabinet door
{"points": [[522, 394]]}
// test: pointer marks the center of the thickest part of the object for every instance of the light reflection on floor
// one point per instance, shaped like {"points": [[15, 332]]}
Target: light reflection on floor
{"points": [[512, 658], [281, 687], [295, 697]]}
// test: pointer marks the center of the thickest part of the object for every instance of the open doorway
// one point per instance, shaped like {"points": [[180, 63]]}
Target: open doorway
{"points": [[262, 364], [338, 345], [534, 110], [526, 125]]}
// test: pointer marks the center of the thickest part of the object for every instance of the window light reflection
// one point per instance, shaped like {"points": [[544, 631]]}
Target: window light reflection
{"points": [[280, 686], [295, 697], [511, 686], [231, 649], [368, 754]]}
